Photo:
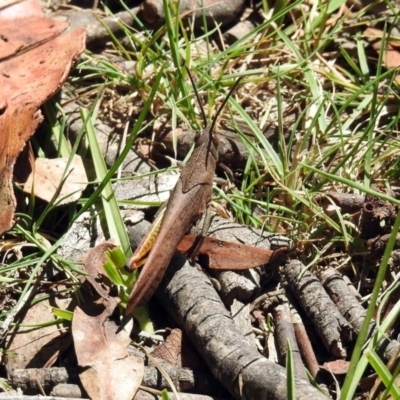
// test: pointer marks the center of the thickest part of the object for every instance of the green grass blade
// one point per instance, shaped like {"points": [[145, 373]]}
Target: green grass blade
{"points": [[290, 379], [357, 366], [115, 223]]}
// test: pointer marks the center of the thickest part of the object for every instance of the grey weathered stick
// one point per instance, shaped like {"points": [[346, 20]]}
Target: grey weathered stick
{"points": [[354, 312], [186, 205], [332, 327], [192, 301], [27, 379]]}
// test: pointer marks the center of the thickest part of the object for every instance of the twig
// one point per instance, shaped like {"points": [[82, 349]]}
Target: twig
{"points": [[284, 332], [331, 326]]}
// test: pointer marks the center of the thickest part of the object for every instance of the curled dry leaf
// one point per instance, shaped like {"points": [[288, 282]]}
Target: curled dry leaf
{"points": [[223, 255], [391, 56], [177, 350], [27, 79], [94, 262], [51, 177], [108, 371], [336, 367]]}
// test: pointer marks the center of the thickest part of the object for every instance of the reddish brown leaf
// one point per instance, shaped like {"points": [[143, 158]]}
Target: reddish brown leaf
{"points": [[177, 350], [391, 56], [94, 262], [27, 80], [224, 255], [337, 367]]}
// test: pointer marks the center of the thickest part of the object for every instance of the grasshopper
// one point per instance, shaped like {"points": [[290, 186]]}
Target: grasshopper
{"points": [[187, 203]]}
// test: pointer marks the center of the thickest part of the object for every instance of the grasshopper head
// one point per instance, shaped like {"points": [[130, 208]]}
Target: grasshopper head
{"points": [[209, 139]]}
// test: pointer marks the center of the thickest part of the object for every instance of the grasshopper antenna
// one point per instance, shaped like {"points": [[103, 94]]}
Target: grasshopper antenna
{"points": [[223, 104], [203, 114], [217, 114]]}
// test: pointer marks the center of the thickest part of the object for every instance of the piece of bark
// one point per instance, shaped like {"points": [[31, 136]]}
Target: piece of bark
{"points": [[332, 327], [190, 298], [215, 11], [197, 380], [234, 285], [304, 343], [85, 232], [284, 333], [354, 312], [268, 301], [109, 141]]}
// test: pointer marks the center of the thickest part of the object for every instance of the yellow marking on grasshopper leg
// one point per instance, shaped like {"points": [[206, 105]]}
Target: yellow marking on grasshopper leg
{"points": [[139, 258], [138, 264]]}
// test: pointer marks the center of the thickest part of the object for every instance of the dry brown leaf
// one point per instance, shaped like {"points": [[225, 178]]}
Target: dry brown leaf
{"points": [[94, 262], [48, 175], [108, 371], [14, 9], [27, 79], [37, 348], [229, 256], [336, 367], [177, 350], [391, 58]]}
